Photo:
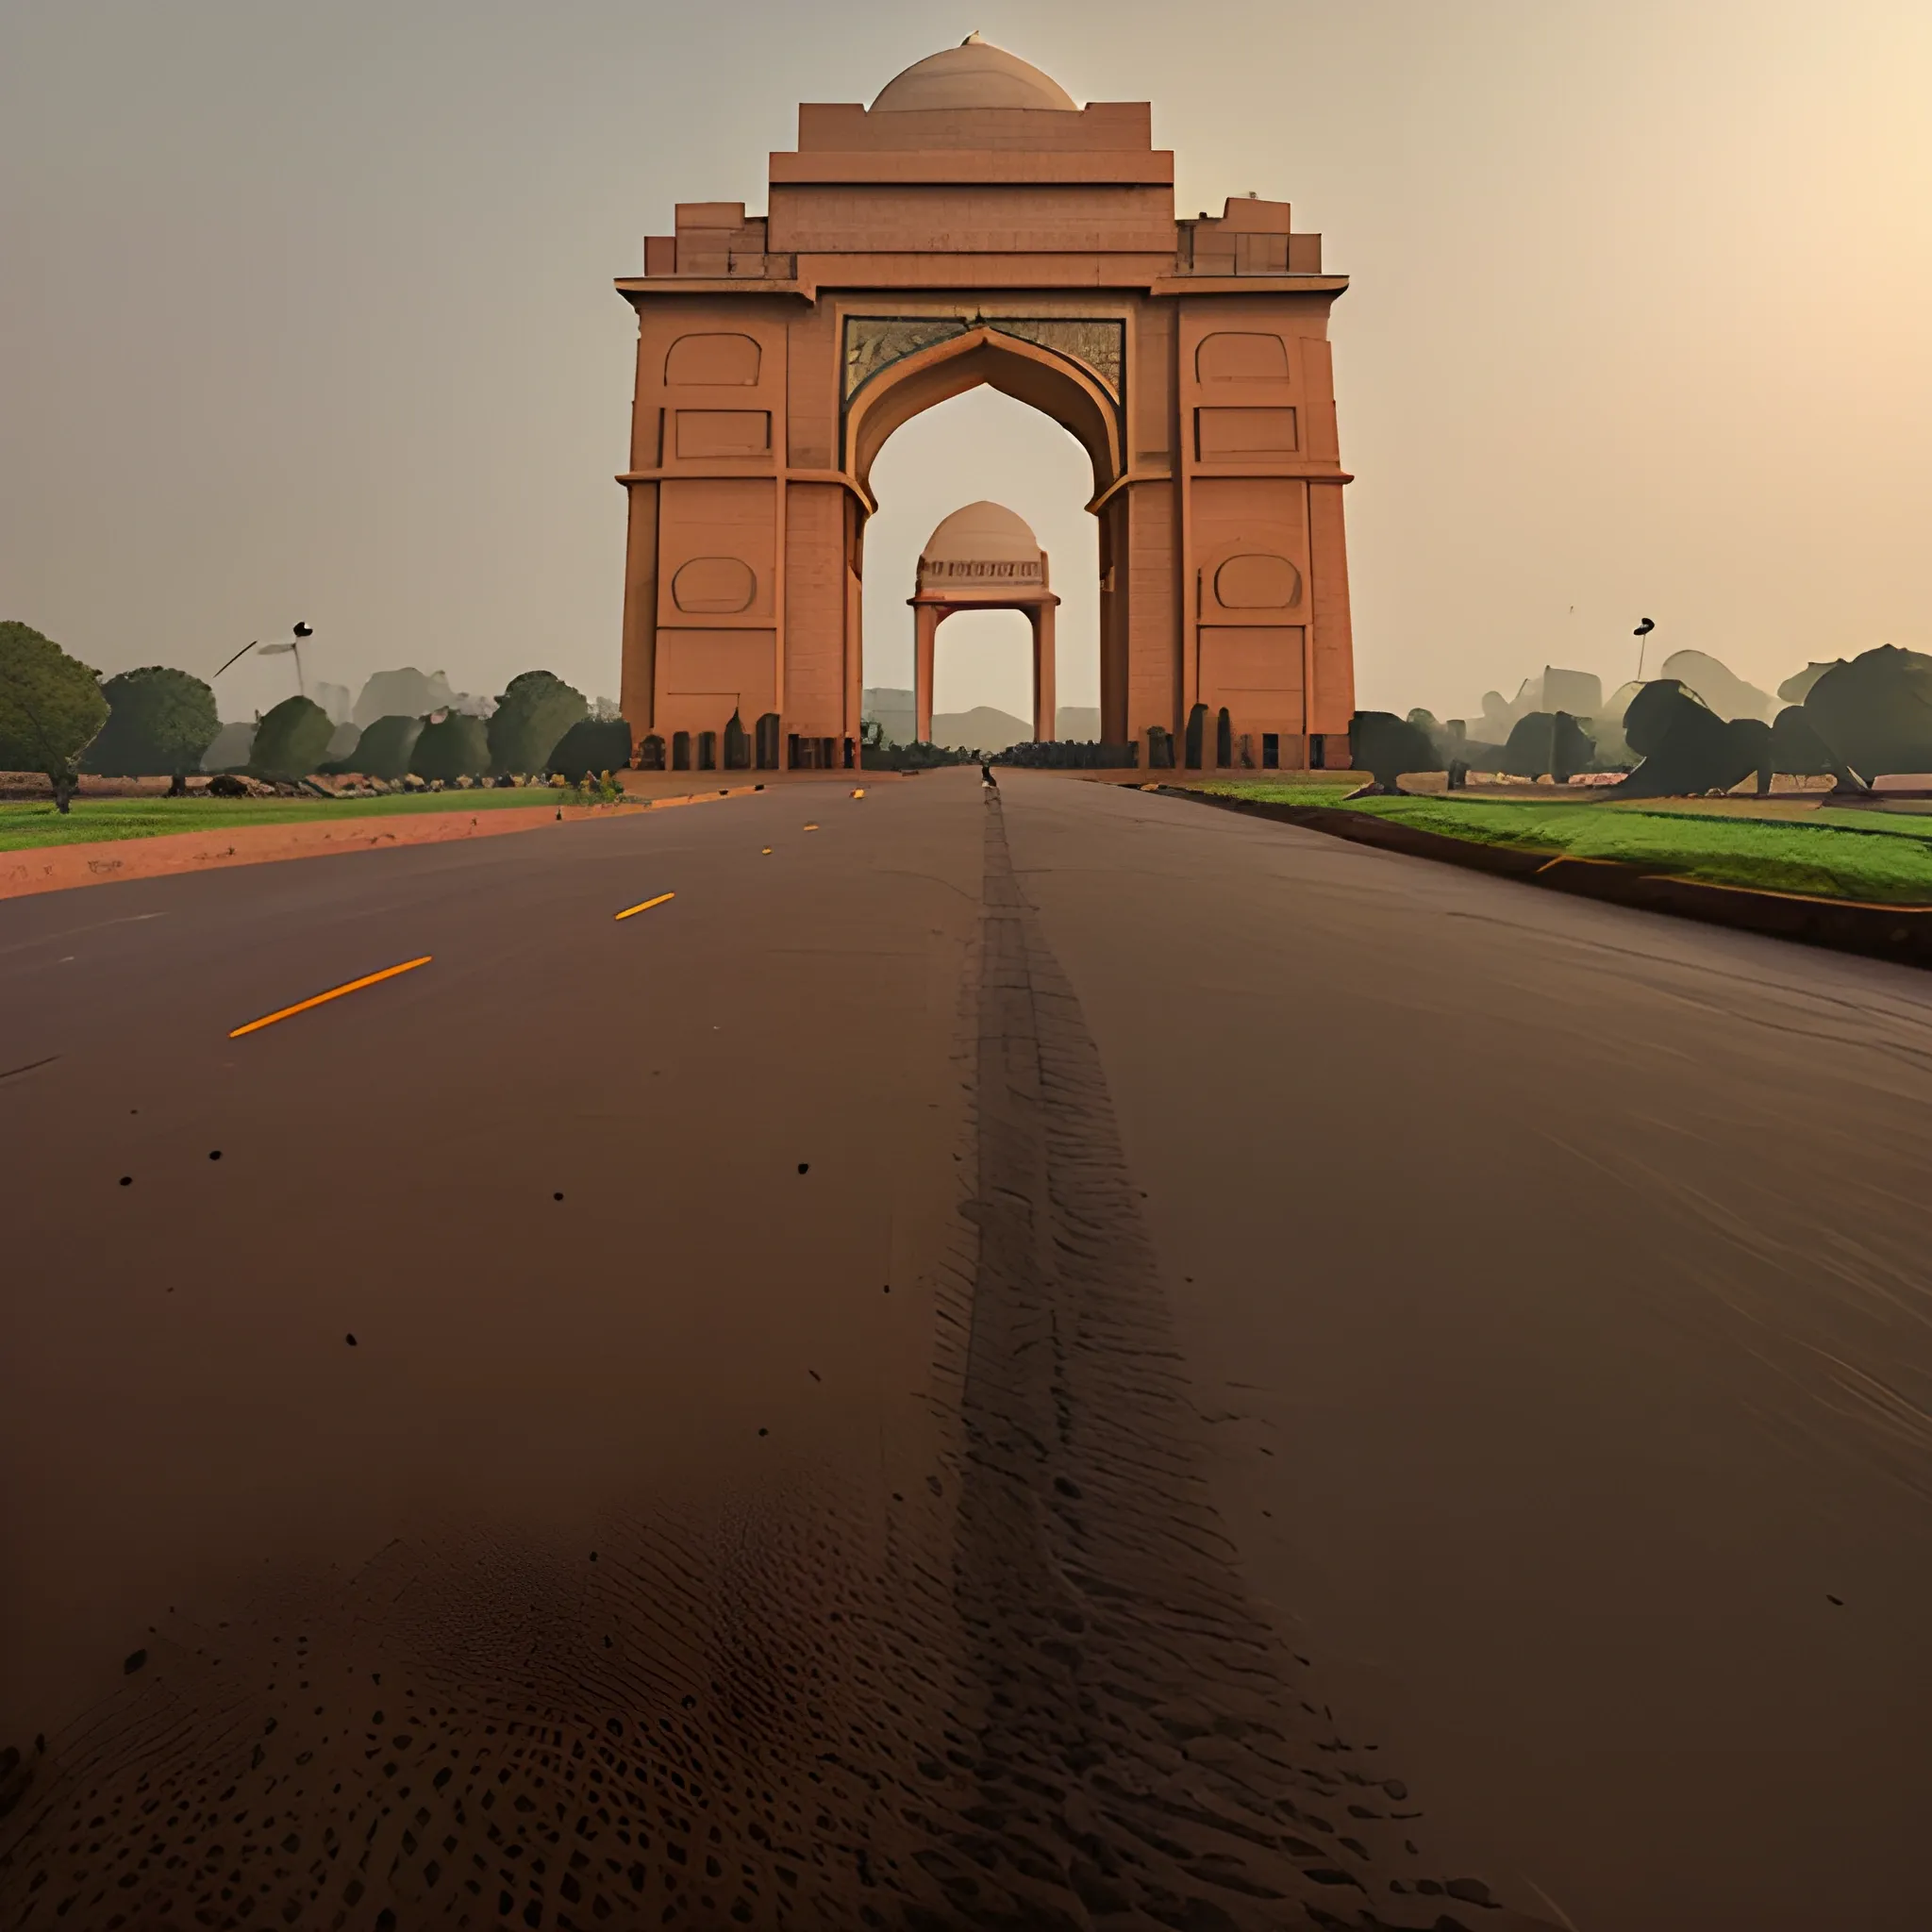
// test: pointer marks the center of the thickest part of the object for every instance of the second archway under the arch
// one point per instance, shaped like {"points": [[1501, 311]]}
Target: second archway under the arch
{"points": [[983, 556]]}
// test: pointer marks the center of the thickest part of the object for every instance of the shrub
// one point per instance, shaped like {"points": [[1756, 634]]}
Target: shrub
{"points": [[385, 749], [592, 744], [293, 739], [1550, 743], [455, 747], [1386, 746], [1070, 754]]}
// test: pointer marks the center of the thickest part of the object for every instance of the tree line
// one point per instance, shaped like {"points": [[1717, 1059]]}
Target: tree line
{"points": [[59, 717], [1853, 720]]}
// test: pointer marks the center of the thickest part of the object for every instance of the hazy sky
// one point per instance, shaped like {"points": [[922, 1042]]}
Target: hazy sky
{"points": [[305, 313]]}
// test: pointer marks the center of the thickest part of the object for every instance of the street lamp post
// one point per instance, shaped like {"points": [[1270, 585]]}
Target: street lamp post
{"points": [[294, 645], [1642, 634]]}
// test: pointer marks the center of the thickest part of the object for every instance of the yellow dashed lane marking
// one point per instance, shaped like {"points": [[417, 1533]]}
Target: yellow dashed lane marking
{"points": [[660, 900], [335, 992]]}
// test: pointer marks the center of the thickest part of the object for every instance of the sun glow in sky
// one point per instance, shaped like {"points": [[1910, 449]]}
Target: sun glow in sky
{"points": [[306, 314]]}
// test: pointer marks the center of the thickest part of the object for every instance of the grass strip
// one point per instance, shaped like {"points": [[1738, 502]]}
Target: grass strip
{"points": [[24, 825], [1850, 855]]}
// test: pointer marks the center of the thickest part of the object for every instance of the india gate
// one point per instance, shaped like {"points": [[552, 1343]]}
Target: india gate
{"points": [[974, 226]]}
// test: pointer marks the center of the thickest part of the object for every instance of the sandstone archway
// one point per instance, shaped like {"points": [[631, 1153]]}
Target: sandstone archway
{"points": [[982, 557], [975, 225], [1051, 382]]}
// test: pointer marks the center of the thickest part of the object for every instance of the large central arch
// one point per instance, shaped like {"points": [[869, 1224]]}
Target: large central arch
{"points": [[1055, 384], [975, 226]]}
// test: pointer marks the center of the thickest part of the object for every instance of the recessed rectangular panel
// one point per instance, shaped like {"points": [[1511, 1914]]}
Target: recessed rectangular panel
{"points": [[713, 358], [1243, 436], [704, 676], [1232, 355], [1256, 671], [723, 432]]}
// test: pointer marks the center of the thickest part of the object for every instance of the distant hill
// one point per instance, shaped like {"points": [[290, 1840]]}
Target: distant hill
{"points": [[984, 729]]}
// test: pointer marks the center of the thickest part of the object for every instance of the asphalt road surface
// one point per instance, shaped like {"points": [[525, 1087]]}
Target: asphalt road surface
{"points": [[1063, 1359]]}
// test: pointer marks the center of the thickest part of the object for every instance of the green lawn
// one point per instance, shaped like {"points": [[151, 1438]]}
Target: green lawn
{"points": [[37, 823], [1835, 851]]}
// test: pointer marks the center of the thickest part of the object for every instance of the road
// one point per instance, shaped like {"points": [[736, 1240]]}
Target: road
{"points": [[1067, 1359]]}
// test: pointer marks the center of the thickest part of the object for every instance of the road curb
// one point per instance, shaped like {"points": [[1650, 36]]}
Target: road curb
{"points": [[1902, 933], [108, 861]]}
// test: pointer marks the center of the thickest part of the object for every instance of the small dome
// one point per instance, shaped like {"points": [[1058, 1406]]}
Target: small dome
{"points": [[982, 533], [975, 73]]}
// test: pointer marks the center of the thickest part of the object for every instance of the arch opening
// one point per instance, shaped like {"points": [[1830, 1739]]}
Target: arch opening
{"points": [[1054, 385], [981, 444]]}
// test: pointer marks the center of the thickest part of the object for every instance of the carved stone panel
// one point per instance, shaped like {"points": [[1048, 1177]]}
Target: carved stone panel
{"points": [[1101, 345], [875, 341]]}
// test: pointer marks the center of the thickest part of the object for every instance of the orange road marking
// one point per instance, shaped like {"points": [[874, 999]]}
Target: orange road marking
{"points": [[335, 992], [645, 907]]}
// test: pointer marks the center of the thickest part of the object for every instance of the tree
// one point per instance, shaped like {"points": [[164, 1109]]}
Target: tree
{"points": [[405, 693], [384, 750], [1435, 731], [1686, 748], [1797, 688], [1550, 743], [1579, 693], [229, 752], [1718, 685], [533, 713], [1875, 712], [1386, 746], [51, 709], [160, 720], [1797, 749], [293, 739], [454, 747], [1751, 741]]}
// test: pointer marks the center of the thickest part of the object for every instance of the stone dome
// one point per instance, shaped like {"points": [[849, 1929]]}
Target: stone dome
{"points": [[983, 533], [975, 73], [983, 546]]}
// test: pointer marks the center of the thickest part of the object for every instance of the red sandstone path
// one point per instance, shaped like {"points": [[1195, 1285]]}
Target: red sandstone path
{"points": [[1099, 1363]]}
